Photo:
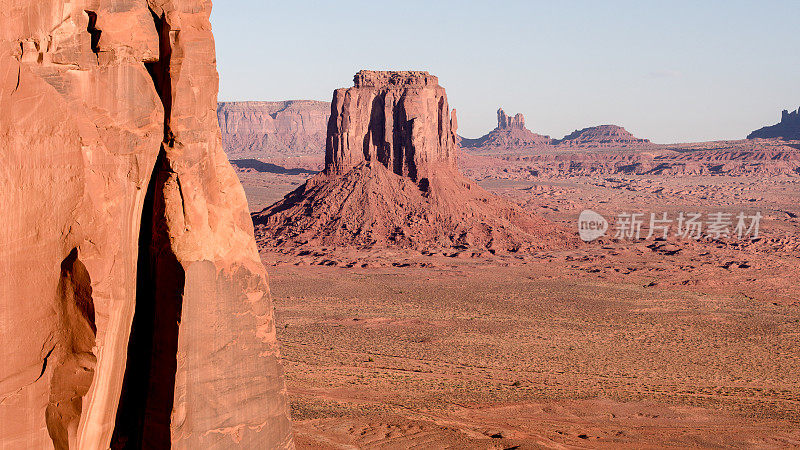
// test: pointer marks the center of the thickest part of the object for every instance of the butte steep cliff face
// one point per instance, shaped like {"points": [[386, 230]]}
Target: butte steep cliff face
{"points": [[510, 134], [390, 179], [788, 128], [134, 309]]}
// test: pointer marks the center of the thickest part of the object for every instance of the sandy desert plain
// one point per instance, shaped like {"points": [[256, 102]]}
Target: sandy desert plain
{"points": [[616, 343]]}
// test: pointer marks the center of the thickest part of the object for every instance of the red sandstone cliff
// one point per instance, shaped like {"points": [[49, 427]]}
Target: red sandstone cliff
{"points": [[135, 309], [400, 119]]}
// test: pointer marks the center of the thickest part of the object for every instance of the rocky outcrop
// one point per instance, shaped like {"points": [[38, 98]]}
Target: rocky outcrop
{"points": [[274, 130], [602, 136], [788, 128], [390, 179], [400, 120], [509, 135], [135, 309], [505, 122]]}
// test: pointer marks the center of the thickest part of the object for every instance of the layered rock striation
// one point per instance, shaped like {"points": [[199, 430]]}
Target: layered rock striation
{"points": [[273, 130], [390, 179], [788, 128], [135, 308]]}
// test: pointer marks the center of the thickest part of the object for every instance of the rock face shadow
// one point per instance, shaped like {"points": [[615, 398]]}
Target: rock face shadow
{"points": [[72, 357], [143, 417], [260, 166]]}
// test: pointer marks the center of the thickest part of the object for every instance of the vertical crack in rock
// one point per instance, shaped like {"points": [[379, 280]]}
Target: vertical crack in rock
{"points": [[145, 408], [74, 362], [143, 417], [160, 72], [93, 31], [19, 77], [410, 151], [373, 139], [44, 363], [397, 139]]}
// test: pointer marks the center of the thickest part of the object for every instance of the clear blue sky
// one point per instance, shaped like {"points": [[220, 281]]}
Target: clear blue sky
{"points": [[674, 71]]}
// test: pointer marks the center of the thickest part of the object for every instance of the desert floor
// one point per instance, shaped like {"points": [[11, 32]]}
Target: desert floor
{"points": [[673, 343]]}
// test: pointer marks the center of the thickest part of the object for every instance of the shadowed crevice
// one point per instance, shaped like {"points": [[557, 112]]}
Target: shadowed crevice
{"points": [[144, 414], [72, 358], [160, 72], [93, 31]]}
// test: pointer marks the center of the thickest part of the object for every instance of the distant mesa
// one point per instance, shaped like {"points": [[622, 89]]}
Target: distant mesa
{"points": [[270, 130], [602, 136], [509, 134], [391, 179], [788, 128]]}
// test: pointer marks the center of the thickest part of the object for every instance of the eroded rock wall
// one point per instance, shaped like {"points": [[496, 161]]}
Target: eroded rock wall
{"points": [[505, 121], [273, 129], [399, 119], [119, 206]]}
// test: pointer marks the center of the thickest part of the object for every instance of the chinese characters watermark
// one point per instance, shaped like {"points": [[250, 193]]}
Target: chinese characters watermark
{"points": [[686, 225]]}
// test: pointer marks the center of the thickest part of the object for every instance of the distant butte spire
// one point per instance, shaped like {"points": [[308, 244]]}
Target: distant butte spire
{"points": [[787, 128], [505, 122]]}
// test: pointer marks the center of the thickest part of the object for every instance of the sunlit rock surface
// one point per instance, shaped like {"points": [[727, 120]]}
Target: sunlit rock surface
{"points": [[134, 309]]}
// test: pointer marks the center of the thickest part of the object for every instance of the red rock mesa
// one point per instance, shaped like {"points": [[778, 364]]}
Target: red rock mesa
{"points": [[602, 136], [135, 309], [390, 178], [292, 128]]}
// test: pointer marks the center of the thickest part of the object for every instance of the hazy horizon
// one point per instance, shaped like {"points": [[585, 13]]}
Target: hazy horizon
{"points": [[672, 73]]}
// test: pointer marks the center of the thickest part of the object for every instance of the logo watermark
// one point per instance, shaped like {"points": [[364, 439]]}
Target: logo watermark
{"points": [[686, 225], [591, 225]]}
